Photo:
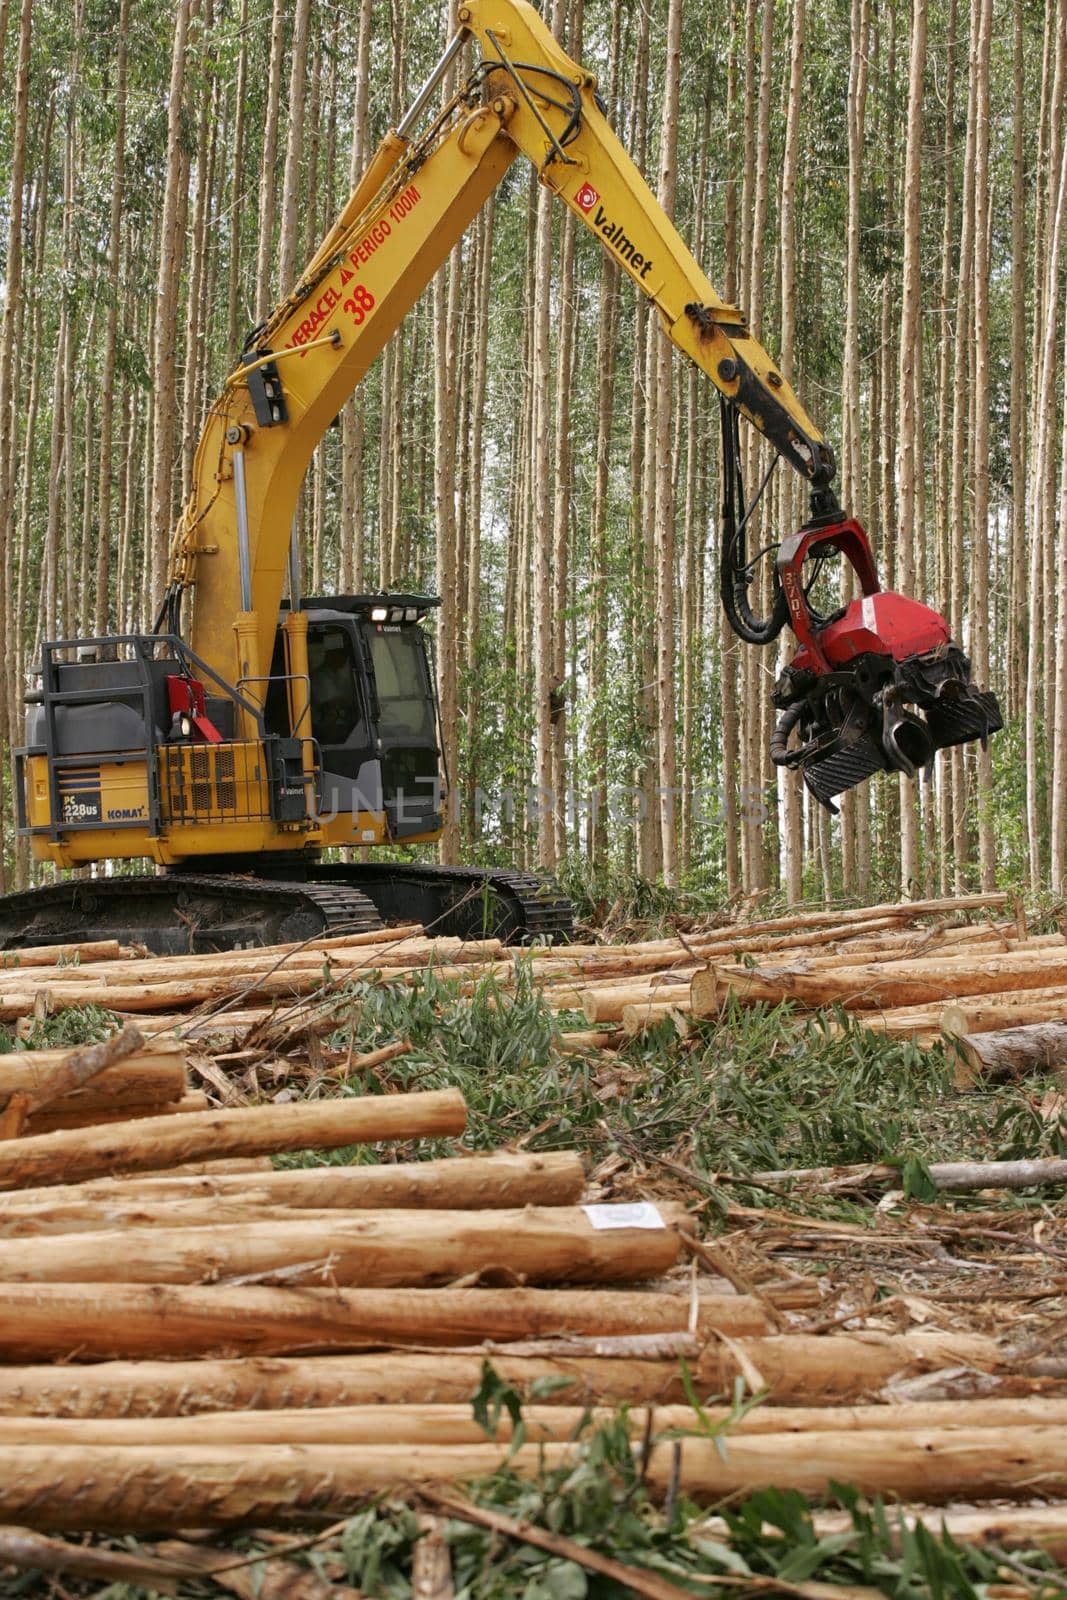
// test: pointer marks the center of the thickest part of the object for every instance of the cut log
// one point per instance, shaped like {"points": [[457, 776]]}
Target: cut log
{"points": [[551, 1178], [240, 969], [65, 1320], [1013, 1052], [638, 1019], [900, 910], [950, 1176], [257, 1130], [591, 1039], [149, 1078], [62, 1115], [56, 1489], [153, 1388], [373, 936], [741, 942], [25, 1549], [802, 1368], [46, 1221], [929, 980], [545, 1244], [608, 1005], [969, 1014], [77, 1067], [452, 1424], [953, 949], [148, 997], [910, 1464], [131, 1488], [241, 964], [233, 1167], [339, 953], [623, 961], [47, 955], [291, 981], [378, 1058], [1006, 1527]]}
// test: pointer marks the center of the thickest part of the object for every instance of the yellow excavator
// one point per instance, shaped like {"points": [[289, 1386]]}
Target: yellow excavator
{"points": [[246, 735]]}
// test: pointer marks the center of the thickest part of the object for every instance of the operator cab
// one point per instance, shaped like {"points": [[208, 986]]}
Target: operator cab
{"points": [[374, 709]]}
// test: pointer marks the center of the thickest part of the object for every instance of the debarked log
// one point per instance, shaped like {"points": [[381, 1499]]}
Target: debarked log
{"points": [[257, 1130]]}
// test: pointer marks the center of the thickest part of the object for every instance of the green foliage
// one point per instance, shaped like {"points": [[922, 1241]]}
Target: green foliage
{"points": [[600, 1502], [760, 1089], [74, 1026], [609, 897], [492, 1399]]}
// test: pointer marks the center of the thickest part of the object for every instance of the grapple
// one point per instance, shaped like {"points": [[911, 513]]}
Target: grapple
{"points": [[877, 686]]}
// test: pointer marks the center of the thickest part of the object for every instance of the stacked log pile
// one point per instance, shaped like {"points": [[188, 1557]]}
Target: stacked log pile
{"points": [[189, 1337], [999, 992], [910, 969]]}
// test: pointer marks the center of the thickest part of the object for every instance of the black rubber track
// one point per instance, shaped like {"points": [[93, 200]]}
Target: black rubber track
{"points": [[189, 911], [183, 912], [464, 902]]}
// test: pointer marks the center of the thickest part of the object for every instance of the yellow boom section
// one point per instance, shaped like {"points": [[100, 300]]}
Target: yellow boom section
{"points": [[380, 265], [592, 174], [415, 202]]}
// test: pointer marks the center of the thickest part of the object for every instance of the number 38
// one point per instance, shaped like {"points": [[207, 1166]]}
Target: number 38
{"points": [[359, 304]]}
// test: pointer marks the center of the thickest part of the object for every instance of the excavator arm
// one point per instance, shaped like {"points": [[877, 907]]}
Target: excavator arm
{"points": [[232, 545], [415, 202]]}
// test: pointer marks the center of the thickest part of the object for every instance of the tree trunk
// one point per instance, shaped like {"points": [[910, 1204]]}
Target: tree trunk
{"points": [[267, 184], [294, 149], [805, 1368], [981, 30], [446, 296], [1015, 1053], [107, 382], [475, 1182], [664, 512], [1044, 424], [909, 460], [164, 351]]}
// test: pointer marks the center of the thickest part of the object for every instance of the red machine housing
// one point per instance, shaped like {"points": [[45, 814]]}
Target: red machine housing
{"points": [[878, 685], [185, 698], [878, 624]]}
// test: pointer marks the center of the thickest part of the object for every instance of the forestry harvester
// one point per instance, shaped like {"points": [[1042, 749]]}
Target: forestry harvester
{"points": [[247, 735]]}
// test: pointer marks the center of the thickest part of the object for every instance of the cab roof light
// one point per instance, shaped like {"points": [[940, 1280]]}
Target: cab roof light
{"points": [[379, 613]]}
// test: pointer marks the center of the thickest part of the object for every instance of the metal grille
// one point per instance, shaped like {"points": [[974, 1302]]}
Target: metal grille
{"points": [[212, 783], [225, 784], [200, 764]]}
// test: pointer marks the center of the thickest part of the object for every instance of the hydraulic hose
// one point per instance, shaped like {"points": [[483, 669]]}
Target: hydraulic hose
{"points": [[734, 576], [781, 755]]}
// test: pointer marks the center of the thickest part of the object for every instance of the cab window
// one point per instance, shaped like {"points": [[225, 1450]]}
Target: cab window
{"points": [[336, 707], [402, 684]]}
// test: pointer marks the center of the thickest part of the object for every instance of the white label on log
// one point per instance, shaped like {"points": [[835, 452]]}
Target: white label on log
{"points": [[637, 1214]]}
